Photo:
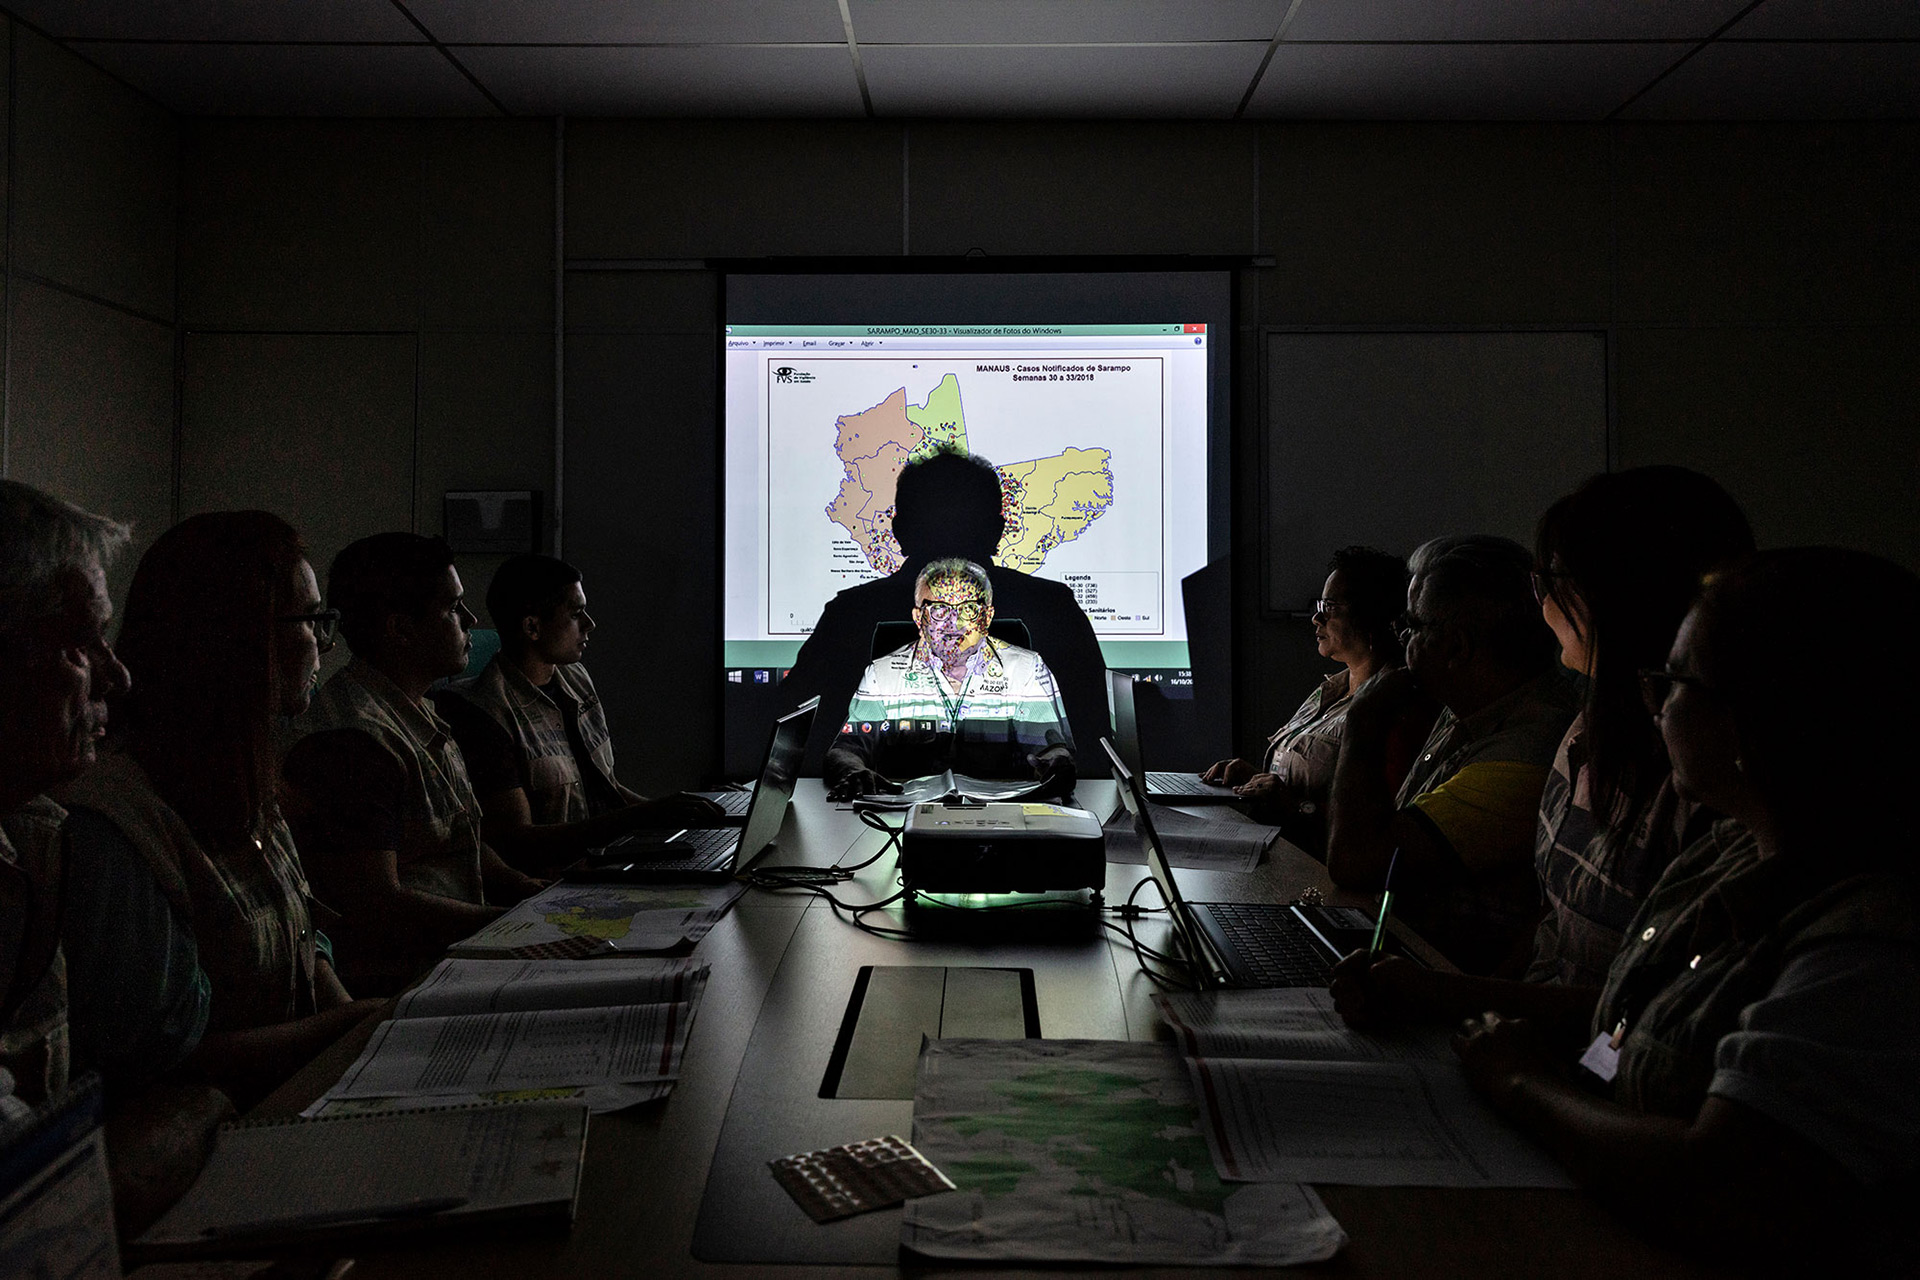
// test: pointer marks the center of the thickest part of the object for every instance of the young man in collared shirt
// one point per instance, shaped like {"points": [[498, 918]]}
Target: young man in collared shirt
{"points": [[953, 699], [378, 793], [534, 733]]}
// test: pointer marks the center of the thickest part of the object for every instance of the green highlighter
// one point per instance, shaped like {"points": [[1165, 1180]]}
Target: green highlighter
{"points": [[1386, 905]]}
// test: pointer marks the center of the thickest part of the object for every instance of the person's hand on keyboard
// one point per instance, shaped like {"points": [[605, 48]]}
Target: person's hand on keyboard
{"points": [[672, 812], [861, 782], [1228, 773]]}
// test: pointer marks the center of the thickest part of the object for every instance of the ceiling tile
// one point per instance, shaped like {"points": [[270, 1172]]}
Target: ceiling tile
{"points": [[1062, 21], [1469, 20], [1456, 81], [294, 79], [1796, 81], [1830, 20], [704, 80], [630, 21], [1159, 81], [337, 20]]}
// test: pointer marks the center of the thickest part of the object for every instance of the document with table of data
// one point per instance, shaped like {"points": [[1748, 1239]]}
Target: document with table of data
{"points": [[608, 1056]]}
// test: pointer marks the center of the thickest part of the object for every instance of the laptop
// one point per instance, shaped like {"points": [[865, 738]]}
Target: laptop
{"points": [[1167, 788], [734, 802], [1243, 944], [712, 853]]}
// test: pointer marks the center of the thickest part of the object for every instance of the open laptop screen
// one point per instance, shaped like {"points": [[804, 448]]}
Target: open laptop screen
{"points": [[1126, 722], [770, 798], [1133, 796]]}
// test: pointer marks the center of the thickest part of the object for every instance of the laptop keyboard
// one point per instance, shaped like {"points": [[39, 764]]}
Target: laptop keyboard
{"points": [[712, 847], [1273, 948], [1181, 784], [732, 803]]}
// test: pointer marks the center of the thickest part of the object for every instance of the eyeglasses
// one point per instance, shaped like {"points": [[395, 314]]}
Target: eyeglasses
{"points": [[1324, 607], [1543, 580], [935, 611], [1656, 686], [1407, 625], [325, 622]]}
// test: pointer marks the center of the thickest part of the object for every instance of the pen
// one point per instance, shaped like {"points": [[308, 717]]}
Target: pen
{"points": [[302, 1221], [1386, 905]]}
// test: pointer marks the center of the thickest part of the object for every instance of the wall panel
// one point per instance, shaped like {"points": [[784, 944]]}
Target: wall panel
{"points": [[1140, 187], [95, 172], [301, 225], [1781, 223], [486, 422], [642, 526], [91, 404], [1812, 430], [316, 428], [709, 188], [1434, 224]]}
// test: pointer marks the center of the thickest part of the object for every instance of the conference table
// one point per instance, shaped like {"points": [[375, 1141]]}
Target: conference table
{"points": [[680, 1187]]}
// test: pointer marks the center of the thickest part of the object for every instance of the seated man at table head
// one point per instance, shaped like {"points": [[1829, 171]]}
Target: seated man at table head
{"points": [[949, 503], [1463, 819], [956, 698], [534, 734], [378, 794]]}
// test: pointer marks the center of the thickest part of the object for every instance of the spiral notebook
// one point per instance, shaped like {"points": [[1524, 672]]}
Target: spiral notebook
{"points": [[286, 1182]]}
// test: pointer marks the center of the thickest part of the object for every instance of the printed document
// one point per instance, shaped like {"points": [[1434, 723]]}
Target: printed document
{"points": [[512, 986], [484, 1053], [578, 920], [1287, 1022], [1370, 1124], [1088, 1151]]}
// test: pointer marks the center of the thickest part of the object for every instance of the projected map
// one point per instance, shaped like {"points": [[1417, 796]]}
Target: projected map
{"points": [[1078, 442], [1046, 501]]}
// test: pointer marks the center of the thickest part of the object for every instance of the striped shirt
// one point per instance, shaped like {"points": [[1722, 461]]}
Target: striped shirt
{"points": [[908, 720], [1595, 875]]}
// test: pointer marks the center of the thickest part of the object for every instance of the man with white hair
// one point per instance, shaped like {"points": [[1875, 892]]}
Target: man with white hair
{"points": [[56, 674], [956, 698]]}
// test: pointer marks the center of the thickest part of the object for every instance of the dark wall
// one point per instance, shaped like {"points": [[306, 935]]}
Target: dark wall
{"points": [[368, 314], [90, 185]]}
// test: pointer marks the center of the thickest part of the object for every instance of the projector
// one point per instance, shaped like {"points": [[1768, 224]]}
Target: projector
{"points": [[1020, 847]]}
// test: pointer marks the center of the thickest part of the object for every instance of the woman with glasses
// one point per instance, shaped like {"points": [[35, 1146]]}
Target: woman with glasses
{"points": [[1748, 1070], [1617, 562], [204, 929], [1353, 625]]}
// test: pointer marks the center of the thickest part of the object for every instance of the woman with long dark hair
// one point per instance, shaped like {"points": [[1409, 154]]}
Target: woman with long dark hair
{"points": [[1747, 1080], [180, 824], [1617, 562]]}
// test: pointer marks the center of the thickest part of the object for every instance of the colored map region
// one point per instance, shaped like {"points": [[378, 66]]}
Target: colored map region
{"points": [[1047, 501], [1081, 1150]]}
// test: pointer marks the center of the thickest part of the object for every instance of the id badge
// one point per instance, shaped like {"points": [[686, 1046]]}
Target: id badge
{"points": [[1602, 1057]]}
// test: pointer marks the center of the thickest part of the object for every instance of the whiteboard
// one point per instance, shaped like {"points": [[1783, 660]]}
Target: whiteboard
{"points": [[1388, 439]]}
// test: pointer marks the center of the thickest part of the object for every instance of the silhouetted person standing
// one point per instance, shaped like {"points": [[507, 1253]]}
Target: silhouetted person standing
{"points": [[949, 504]]}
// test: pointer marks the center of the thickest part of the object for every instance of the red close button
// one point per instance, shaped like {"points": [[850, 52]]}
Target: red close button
{"points": [[1195, 328]]}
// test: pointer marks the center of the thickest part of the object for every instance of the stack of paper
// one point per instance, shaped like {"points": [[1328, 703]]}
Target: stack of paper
{"points": [[609, 1033], [584, 920], [1290, 1094], [288, 1182]]}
